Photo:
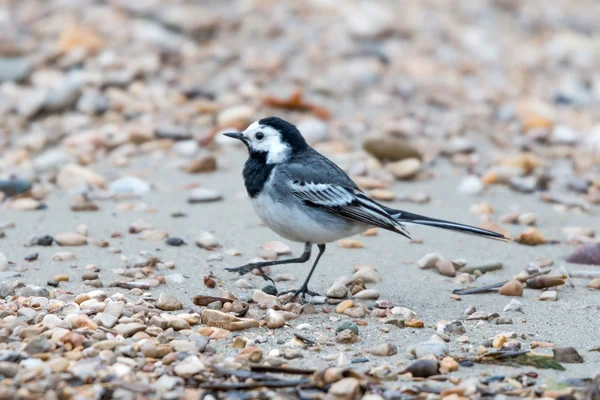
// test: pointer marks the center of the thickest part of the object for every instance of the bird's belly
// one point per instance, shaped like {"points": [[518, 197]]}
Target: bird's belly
{"points": [[299, 224]]}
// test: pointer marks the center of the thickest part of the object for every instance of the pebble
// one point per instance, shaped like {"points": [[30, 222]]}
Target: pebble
{"points": [[527, 219], [206, 240], [233, 115], [190, 366], [587, 254], [435, 347], [345, 388], [531, 237], [514, 305], [70, 239], [204, 195], [350, 244], [447, 365], [446, 268], [423, 368], [566, 355], [33, 291], [549, 295], [274, 319], [367, 294], [511, 288], [594, 283], [389, 149], [405, 169], [106, 320], [15, 69], [471, 185], [13, 187], [343, 306], [498, 341], [129, 329], [347, 324], [129, 185], [346, 337], [384, 350], [404, 313], [452, 328], [202, 164], [168, 302], [51, 321], [24, 204], [72, 176], [429, 261]]}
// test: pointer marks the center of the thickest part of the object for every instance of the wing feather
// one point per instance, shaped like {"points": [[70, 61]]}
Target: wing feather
{"points": [[346, 202]]}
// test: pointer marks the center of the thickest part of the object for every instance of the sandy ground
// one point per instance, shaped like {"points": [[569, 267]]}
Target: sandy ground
{"points": [[570, 321]]}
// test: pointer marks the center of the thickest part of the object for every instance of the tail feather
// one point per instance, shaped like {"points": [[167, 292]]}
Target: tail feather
{"points": [[416, 219]]}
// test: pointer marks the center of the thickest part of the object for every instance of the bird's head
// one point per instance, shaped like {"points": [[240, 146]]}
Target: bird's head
{"points": [[272, 138]]}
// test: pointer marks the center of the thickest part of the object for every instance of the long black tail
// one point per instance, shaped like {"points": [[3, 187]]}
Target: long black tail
{"points": [[416, 219]]}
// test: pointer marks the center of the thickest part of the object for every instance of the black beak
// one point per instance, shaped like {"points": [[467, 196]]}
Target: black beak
{"points": [[235, 135]]}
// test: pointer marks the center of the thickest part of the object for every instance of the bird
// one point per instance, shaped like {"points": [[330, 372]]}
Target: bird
{"points": [[305, 197]]}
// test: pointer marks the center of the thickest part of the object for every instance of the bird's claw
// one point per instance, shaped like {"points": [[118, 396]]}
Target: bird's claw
{"points": [[304, 290], [244, 269]]}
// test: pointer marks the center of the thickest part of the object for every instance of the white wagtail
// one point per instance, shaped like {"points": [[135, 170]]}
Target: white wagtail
{"points": [[304, 197]]}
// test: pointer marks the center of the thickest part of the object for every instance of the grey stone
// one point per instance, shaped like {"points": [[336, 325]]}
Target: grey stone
{"points": [[39, 344], [347, 324], [15, 69]]}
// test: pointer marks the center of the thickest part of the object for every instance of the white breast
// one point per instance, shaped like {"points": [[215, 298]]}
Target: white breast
{"points": [[293, 222]]}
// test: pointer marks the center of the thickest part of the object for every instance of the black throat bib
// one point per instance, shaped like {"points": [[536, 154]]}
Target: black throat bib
{"points": [[256, 173]]}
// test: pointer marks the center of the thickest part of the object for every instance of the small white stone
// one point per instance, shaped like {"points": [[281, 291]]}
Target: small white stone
{"points": [[207, 240], [428, 260], [243, 283], [51, 321], [471, 185], [549, 295], [274, 319], [514, 305], [188, 367], [404, 313], [338, 290], [367, 294]]}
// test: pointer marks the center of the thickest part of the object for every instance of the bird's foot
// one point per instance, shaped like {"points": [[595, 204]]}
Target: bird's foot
{"points": [[303, 291], [244, 269]]}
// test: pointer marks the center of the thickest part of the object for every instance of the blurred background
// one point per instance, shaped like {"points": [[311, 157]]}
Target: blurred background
{"points": [[473, 81]]}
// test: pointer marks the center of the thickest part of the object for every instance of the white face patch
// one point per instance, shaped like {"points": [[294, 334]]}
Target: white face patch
{"points": [[267, 139]]}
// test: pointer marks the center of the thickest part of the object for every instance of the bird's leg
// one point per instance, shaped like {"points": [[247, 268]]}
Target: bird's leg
{"points": [[244, 269], [304, 288]]}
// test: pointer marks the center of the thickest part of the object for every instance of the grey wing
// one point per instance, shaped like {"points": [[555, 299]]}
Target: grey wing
{"points": [[347, 202]]}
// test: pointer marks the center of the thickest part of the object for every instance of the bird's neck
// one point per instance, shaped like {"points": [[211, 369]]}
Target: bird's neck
{"points": [[256, 173]]}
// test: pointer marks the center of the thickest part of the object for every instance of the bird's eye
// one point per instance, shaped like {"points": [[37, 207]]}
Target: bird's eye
{"points": [[260, 136]]}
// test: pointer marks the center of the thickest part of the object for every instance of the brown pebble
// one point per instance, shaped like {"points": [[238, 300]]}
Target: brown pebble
{"points": [[531, 237], [89, 276], [414, 323], [594, 284], [511, 288], [350, 244], [445, 267], [60, 278]]}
